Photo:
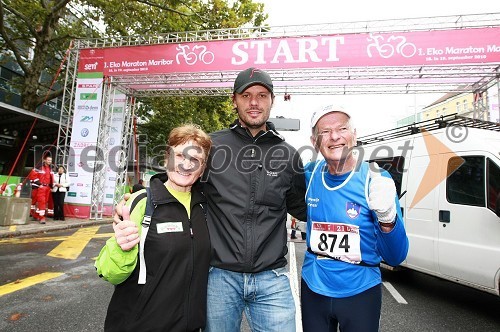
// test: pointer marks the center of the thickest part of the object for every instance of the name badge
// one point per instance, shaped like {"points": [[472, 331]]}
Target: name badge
{"points": [[169, 227]]}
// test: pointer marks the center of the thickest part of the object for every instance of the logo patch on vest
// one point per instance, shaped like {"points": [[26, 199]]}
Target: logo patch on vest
{"points": [[169, 227], [352, 209]]}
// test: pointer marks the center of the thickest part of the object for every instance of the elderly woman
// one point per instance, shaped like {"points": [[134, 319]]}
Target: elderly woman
{"points": [[161, 280]]}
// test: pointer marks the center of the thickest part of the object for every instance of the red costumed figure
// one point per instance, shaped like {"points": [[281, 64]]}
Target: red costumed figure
{"points": [[41, 184]]}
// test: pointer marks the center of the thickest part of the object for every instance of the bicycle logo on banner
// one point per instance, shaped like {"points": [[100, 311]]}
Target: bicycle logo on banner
{"points": [[198, 52], [394, 44]]}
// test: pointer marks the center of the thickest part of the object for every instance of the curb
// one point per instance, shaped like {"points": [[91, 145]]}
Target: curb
{"points": [[37, 229]]}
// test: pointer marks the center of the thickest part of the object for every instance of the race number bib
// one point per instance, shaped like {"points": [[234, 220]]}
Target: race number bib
{"points": [[338, 241]]}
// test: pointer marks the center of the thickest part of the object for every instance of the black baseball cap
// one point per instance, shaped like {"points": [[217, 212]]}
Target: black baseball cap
{"points": [[252, 76]]}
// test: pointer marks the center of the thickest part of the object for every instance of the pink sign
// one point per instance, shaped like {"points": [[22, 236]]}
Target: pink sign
{"points": [[440, 47]]}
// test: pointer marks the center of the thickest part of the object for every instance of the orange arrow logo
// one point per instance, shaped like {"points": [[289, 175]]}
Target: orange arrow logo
{"points": [[433, 175]]}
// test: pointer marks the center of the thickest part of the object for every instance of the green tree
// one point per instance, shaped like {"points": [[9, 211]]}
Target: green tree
{"points": [[35, 35], [157, 117]]}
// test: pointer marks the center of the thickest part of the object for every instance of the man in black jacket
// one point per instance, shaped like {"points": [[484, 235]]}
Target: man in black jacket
{"points": [[254, 178]]}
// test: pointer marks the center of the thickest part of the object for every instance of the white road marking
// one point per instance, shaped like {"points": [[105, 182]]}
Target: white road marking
{"points": [[294, 284], [395, 294]]}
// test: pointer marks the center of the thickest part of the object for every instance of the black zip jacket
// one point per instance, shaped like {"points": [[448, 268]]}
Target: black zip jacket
{"points": [[175, 294], [250, 184]]}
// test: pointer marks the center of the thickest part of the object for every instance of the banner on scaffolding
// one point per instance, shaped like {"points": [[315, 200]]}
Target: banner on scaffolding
{"points": [[85, 130], [415, 48]]}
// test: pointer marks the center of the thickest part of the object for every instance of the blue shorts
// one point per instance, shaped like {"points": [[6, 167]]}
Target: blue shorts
{"points": [[358, 313]]}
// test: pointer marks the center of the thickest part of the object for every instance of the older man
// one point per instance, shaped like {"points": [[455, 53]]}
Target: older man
{"points": [[354, 222]]}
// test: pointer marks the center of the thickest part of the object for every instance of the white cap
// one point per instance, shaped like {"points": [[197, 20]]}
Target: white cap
{"points": [[324, 111]]}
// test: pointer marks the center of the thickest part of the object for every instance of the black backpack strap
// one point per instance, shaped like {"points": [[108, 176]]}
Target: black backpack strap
{"points": [[360, 263], [136, 200], [149, 209], [146, 221]]}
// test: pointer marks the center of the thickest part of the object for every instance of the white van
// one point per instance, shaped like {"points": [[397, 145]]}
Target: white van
{"points": [[447, 172]]}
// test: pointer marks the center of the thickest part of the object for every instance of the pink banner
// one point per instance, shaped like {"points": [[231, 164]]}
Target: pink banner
{"points": [[440, 47]]}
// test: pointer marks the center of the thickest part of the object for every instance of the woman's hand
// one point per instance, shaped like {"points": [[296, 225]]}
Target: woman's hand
{"points": [[126, 231]]}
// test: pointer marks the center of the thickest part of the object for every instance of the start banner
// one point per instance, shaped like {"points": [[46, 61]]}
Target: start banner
{"points": [[438, 47]]}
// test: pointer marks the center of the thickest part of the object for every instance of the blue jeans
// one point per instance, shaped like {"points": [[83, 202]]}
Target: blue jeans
{"points": [[266, 298]]}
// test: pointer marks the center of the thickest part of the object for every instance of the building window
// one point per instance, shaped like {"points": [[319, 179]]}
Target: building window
{"points": [[6, 74]]}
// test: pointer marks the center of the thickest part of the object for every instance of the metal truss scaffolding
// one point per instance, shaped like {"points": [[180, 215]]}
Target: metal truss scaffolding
{"points": [[102, 153], [122, 160], [396, 25], [479, 105], [331, 80], [65, 122], [375, 80]]}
